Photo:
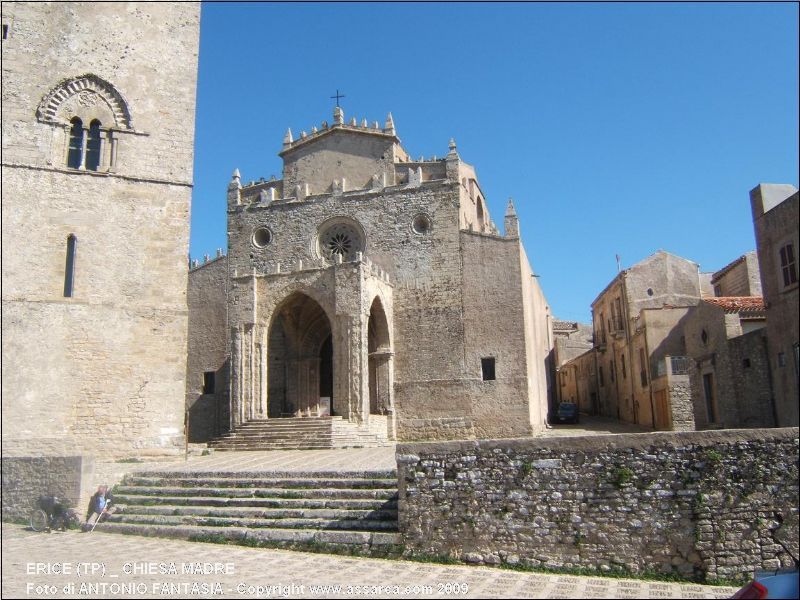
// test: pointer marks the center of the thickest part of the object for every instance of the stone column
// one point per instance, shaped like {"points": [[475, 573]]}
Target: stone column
{"points": [[263, 380], [84, 145], [236, 377], [112, 162]]}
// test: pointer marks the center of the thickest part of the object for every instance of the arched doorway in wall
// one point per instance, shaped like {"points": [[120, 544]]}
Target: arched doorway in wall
{"points": [[300, 359], [380, 354]]}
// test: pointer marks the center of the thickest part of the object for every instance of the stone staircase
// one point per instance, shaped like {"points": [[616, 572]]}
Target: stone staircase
{"points": [[352, 509], [306, 433]]}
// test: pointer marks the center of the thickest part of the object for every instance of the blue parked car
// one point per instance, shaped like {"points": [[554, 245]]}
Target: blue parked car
{"points": [[567, 412]]}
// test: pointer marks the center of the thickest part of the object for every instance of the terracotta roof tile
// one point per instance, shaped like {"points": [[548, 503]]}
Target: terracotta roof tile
{"points": [[738, 304]]}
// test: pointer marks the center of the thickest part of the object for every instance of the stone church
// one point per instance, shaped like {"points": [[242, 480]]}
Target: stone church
{"points": [[372, 287]]}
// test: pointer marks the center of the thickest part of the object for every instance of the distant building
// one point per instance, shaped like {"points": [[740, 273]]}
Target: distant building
{"points": [[636, 320], [775, 219], [570, 340]]}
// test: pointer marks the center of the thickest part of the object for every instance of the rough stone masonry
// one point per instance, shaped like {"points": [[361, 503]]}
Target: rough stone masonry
{"points": [[707, 504]]}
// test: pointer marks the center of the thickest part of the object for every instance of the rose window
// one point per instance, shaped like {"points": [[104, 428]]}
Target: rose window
{"points": [[341, 238]]}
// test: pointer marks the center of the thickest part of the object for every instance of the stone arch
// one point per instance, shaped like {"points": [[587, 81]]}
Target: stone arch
{"points": [[379, 349], [88, 94], [297, 335]]}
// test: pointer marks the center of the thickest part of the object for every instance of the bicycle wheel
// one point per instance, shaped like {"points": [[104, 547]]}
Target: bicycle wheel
{"points": [[39, 520]]}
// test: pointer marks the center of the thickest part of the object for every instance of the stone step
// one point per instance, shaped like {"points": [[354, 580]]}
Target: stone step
{"points": [[286, 523], [260, 482], [254, 512], [365, 539], [266, 445], [341, 475], [310, 493], [223, 501]]}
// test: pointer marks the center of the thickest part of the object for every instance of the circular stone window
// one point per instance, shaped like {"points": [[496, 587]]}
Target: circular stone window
{"points": [[262, 237], [421, 224], [342, 238]]}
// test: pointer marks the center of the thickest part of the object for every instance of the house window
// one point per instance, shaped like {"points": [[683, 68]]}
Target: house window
{"points": [[781, 359], [624, 373], [5, 31], [746, 363], [69, 271], [718, 290], [788, 265], [611, 370], [209, 381], [487, 368], [75, 144], [600, 373]]}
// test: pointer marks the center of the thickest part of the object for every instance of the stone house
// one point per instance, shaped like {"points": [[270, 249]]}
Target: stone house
{"points": [[685, 361], [741, 277], [775, 219], [97, 165], [570, 340], [375, 287], [635, 319], [728, 368], [577, 382]]}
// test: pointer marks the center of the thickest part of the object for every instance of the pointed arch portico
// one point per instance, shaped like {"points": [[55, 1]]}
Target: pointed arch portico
{"points": [[312, 342], [379, 348], [298, 331]]}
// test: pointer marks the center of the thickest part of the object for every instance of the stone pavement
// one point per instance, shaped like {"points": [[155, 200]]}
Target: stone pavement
{"points": [[129, 567], [592, 426], [350, 459]]}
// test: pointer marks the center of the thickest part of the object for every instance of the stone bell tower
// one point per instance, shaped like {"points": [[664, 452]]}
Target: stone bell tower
{"points": [[98, 135]]}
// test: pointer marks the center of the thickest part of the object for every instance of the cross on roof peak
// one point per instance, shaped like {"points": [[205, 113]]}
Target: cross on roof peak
{"points": [[337, 96]]}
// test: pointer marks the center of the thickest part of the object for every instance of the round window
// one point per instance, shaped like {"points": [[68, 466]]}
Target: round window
{"points": [[421, 224], [342, 238], [262, 237]]}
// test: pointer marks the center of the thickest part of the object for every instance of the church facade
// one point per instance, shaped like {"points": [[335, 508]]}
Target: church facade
{"points": [[375, 287]]}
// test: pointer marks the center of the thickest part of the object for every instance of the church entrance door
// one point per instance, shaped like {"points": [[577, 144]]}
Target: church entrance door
{"points": [[299, 360]]}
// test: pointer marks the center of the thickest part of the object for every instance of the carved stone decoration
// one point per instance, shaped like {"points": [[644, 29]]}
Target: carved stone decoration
{"points": [[341, 238], [87, 91], [87, 98]]}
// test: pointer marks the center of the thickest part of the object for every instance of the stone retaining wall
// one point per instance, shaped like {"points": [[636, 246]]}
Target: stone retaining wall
{"points": [[25, 478], [708, 505]]}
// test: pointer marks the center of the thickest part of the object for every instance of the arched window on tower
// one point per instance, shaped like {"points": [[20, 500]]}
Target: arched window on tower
{"points": [[93, 146], [69, 271], [75, 144]]}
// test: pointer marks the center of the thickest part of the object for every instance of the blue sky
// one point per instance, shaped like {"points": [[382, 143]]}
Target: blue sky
{"points": [[616, 128]]}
